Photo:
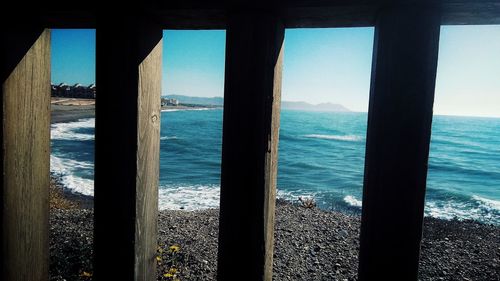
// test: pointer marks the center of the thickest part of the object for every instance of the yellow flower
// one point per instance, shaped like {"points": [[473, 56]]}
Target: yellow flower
{"points": [[172, 270], [86, 274], [158, 258], [174, 248]]}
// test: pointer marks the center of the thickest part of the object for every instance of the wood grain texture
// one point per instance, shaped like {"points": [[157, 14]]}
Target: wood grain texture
{"points": [[249, 150], [148, 157], [213, 14], [397, 146], [271, 168], [128, 53], [352, 13], [26, 163]]}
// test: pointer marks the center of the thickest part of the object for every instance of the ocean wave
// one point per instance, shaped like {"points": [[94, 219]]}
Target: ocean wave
{"points": [[353, 201], [482, 209], [200, 197], [336, 137], [66, 170], [186, 109], [68, 131], [189, 197], [168, 138], [445, 166], [293, 195], [488, 203]]}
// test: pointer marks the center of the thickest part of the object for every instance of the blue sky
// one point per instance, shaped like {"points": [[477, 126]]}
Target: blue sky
{"points": [[73, 56], [193, 62], [320, 65]]}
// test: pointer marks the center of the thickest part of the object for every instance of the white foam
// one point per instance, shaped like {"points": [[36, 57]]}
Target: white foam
{"points": [[488, 203], [168, 138], [336, 137], [187, 109], [202, 108], [78, 184], [66, 169], [486, 210], [478, 211], [448, 210], [195, 197], [293, 195], [200, 197], [66, 131], [353, 201]]}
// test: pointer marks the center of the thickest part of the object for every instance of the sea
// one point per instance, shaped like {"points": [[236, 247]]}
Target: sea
{"points": [[321, 155]]}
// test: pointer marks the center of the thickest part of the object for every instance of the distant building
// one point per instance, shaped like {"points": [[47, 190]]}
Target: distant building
{"points": [[92, 88], [75, 91], [169, 102]]}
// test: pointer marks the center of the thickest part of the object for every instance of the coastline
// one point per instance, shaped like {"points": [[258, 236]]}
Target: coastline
{"points": [[310, 244], [65, 199], [188, 107], [70, 113], [65, 110], [72, 109]]}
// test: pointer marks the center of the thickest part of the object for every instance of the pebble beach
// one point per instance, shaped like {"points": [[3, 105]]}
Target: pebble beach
{"points": [[310, 244]]}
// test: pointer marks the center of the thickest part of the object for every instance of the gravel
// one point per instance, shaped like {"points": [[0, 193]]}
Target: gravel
{"points": [[310, 244], [71, 244]]}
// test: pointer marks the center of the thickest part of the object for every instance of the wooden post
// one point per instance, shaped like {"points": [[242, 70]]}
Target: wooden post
{"points": [[397, 148], [252, 93], [25, 95], [128, 75]]}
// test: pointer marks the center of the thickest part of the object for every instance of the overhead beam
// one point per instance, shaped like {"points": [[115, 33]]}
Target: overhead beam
{"points": [[358, 13], [212, 14]]}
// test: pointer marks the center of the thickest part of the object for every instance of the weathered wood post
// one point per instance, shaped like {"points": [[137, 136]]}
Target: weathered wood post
{"points": [[252, 93], [397, 148], [25, 70], [128, 75]]}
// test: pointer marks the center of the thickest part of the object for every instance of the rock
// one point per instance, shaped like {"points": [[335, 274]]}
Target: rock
{"points": [[343, 233], [317, 248]]}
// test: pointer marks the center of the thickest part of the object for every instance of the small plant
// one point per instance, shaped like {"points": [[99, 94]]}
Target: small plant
{"points": [[171, 273], [307, 202], [171, 260]]}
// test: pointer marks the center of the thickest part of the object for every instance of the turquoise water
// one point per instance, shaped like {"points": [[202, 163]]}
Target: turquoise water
{"points": [[321, 154]]}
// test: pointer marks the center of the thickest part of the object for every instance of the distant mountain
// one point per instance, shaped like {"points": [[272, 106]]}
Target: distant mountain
{"points": [[301, 105], [292, 105], [197, 100]]}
